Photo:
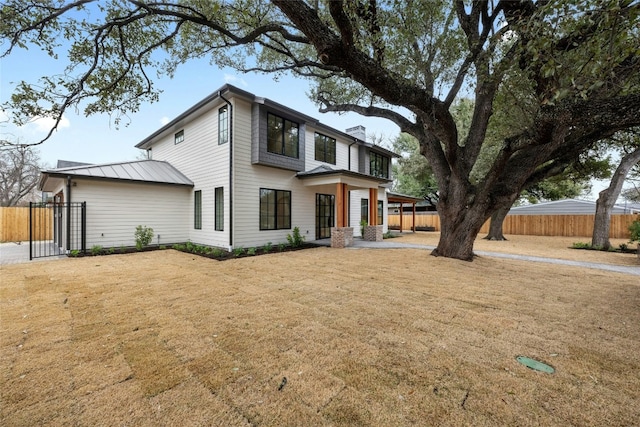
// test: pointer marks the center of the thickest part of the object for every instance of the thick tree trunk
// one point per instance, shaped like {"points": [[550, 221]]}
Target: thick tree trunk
{"points": [[608, 197], [495, 227], [458, 231]]}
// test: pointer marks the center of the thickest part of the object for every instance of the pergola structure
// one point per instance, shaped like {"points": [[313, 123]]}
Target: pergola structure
{"points": [[402, 200]]}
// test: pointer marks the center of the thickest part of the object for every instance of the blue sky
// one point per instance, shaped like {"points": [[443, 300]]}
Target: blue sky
{"points": [[95, 139]]}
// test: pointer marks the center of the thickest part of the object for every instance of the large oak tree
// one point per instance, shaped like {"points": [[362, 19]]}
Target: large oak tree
{"points": [[403, 60]]}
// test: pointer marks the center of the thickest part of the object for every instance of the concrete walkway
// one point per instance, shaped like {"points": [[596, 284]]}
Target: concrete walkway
{"points": [[390, 244], [18, 252], [13, 253]]}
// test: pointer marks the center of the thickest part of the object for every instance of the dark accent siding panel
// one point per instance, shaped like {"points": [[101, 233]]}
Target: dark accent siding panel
{"points": [[259, 153]]}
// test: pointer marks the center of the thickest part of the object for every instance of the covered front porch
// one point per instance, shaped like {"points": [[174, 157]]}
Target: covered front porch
{"points": [[342, 184]]}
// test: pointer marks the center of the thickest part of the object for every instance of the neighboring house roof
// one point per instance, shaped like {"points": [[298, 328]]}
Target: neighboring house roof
{"points": [[69, 164], [567, 207], [149, 171]]}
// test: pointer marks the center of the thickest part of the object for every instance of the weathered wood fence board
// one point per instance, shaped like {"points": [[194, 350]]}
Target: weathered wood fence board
{"points": [[534, 225], [14, 224]]}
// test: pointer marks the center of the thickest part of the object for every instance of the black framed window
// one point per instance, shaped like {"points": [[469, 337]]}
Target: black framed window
{"points": [[197, 210], [325, 148], [282, 136], [219, 209], [380, 212], [364, 210], [178, 137], [223, 125], [378, 165], [275, 209]]}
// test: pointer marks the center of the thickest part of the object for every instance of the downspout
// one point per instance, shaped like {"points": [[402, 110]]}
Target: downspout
{"points": [[68, 214], [230, 169]]}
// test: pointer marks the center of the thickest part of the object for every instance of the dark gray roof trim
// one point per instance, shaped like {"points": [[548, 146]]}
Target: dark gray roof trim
{"points": [[325, 170], [268, 103], [214, 96], [148, 171]]}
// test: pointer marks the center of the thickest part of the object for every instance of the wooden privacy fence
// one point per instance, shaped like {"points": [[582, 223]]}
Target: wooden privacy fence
{"points": [[534, 225], [14, 224]]}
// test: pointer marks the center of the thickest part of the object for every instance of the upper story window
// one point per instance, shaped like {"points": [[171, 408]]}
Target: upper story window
{"points": [[223, 125], [378, 165], [282, 136], [178, 137], [325, 149]]}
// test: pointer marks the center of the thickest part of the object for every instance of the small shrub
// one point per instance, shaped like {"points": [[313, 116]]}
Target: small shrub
{"points": [[581, 245], [123, 249], [296, 240], [216, 252], [238, 251], [281, 247], [162, 247], [251, 251], [267, 248], [74, 253], [189, 247], [111, 251], [179, 247], [363, 224], [634, 229], [143, 236], [96, 250]]}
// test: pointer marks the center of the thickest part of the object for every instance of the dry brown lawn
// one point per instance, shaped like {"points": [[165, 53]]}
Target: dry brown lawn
{"points": [[366, 337]]}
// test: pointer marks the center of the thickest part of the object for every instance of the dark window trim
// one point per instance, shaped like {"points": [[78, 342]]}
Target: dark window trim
{"points": [[364, 210], [282, 141], [380, 212], [223, 119], [219, 208], [378, 165], [326, 141], [197, 209], [277, 225], [178, 137]]}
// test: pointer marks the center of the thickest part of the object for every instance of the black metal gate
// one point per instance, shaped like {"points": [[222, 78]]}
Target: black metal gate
{"points": [[57, 228]]}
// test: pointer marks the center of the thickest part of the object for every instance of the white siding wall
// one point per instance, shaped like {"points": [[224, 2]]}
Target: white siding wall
{"points": [[201, 159], [115, 209], [249, 178], [354, 209], [342, 152]]}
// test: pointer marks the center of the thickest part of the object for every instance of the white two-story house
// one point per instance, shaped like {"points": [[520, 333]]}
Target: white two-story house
{"points": [[235, 170]]}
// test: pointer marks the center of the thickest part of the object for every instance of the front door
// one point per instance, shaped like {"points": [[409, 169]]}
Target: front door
{"points": [[325, 208]]}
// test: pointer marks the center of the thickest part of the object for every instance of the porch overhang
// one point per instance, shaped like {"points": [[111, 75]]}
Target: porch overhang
{"points": [[326, 176]]}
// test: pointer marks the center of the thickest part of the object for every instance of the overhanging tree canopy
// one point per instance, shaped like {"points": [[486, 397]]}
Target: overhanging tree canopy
{"points": [[403, 60]]}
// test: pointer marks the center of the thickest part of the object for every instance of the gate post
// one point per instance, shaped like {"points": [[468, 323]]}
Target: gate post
{"points": [[30, 231], [83, 225]]}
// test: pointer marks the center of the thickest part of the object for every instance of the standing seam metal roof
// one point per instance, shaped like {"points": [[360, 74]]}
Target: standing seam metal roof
{"points": [[152, 171]]}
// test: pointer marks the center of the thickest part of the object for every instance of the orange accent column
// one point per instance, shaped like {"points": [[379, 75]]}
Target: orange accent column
{"points": [[341, 205], [401, 216], [373, 206]]}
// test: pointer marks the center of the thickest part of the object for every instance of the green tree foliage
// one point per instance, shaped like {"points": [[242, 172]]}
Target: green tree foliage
{"points": [[412, 173], [404, 60]]}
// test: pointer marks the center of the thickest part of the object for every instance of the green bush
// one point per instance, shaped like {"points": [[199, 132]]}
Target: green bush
{"points": [[74, 253], [281, 247], [296, 240], [251, 251], [96, 250], [634, 229], [143, 235], [238, 251], [267, 248], [581, 245]]}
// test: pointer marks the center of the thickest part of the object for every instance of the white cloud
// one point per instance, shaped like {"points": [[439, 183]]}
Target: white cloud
{"points": [[44, 124], [231, 79], [164, 120]]}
